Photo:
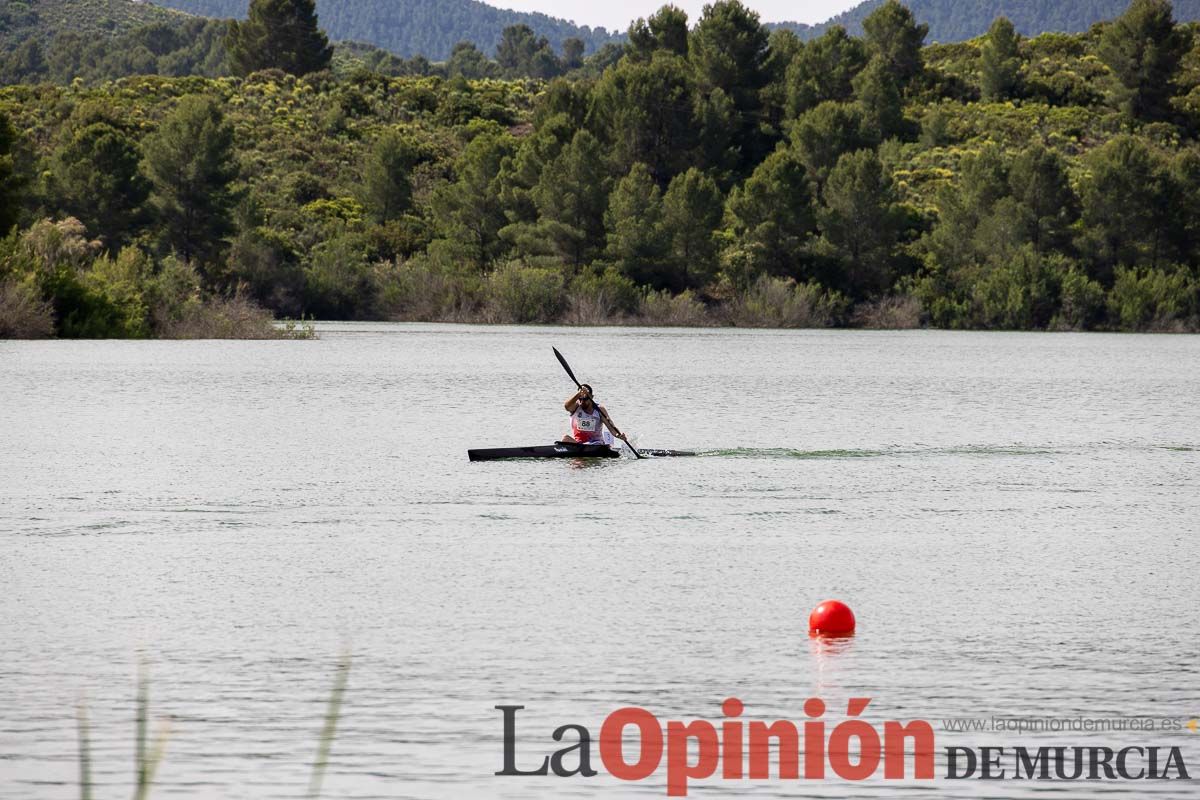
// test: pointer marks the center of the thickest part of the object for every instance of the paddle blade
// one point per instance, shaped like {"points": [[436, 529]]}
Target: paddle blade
{"points": [[636, 454], [565, 365]]}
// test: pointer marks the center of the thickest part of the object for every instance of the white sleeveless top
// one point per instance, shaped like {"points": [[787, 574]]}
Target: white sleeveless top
{"points": [[586, 427]]}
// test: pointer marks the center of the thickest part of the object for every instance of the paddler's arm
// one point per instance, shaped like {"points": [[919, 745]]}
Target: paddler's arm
{"points": [[573, 401], [612, 426]]}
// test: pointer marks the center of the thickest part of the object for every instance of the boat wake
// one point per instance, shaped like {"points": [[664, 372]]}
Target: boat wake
{"points": [[795, 453]]}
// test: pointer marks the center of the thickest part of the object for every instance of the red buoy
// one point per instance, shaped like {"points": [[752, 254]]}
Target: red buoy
{"points": [[831, 618]]}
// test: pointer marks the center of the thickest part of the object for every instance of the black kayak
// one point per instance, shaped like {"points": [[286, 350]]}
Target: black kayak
{"points": [[564, 450]]}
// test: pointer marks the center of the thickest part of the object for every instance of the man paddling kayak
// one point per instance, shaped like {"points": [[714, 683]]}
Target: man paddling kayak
{"points": [[588, 418]]}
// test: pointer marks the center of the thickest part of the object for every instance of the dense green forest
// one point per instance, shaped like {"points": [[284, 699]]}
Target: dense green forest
{"points": [[61, 40], [99, 40], [717, 174], [429, 28], [958, 20], [20, 19]]}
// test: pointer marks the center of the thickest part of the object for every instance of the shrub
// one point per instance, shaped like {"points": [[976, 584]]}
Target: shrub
{"points": [[170, 294], [399, 238], [783, 303], [177, 310], [425, 289], [1081, 302], [23, 313], [598, 298], [120, 282], [57, 255], [337, 279], [62, 244], [228, 318], [662, 309], [263, 261], [518, 294], [1153, 300], [1018, 294], [895, 312]]}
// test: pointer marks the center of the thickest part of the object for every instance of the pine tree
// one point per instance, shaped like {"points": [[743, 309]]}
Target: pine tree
{"points": [[279, 34], [1185, 232], [468, 211], [522, 53], [1128, 206], [190, 161], [773, 215], [1144, 48], [860, 223], [666, 29], [824, 70], [718, 149], [1048, 205], [96, 178], [520, 173], [643, 110], [894, 36], [573, 49], [822, 135], [571, 197], [728, 51], [1000, 61], [692, 211], [9, 201], [880, 102], [386, 188], [963, 207], [637, 242], [467, 61]]}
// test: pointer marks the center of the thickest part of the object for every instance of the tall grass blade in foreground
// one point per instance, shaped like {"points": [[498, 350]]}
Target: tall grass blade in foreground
{"points": [[85, 751], [147, 763], [143, 703], [332, 712]]}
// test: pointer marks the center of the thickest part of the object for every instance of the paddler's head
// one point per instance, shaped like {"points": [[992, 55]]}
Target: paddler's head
{"points": [[588, 400]]}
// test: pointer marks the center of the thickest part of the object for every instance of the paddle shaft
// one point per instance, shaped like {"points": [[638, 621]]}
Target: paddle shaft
{"points": [[579, 385]]}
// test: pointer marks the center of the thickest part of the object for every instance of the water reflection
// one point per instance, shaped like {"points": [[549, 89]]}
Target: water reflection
{"points": [[827, 653]]}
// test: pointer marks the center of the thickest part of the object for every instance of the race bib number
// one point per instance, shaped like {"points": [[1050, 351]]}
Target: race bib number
{"points": [[587, 424]]}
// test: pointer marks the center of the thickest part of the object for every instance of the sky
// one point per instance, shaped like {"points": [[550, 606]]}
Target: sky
{"points": [[617, 14]]}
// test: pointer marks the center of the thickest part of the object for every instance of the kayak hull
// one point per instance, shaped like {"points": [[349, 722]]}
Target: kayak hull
{"points": [[564, 450], [545, 451]]}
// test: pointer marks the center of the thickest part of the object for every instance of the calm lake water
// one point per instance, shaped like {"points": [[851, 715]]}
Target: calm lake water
{"points": [[1013, 518]]}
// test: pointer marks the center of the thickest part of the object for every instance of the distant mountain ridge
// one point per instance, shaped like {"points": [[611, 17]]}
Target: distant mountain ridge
{"points": [[418, 27], [958, 20]]}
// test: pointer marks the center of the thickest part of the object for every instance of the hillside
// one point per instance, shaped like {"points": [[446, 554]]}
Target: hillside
{"points": [[959, 20], [418, 27], [97, 40], [24, 19], [60, 40], [1039, 183]]}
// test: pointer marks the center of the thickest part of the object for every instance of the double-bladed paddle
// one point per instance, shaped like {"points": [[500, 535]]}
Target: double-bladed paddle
{"points": [[579, 385]]}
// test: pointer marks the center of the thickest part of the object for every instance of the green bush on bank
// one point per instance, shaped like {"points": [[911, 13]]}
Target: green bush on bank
{"points": [[1081, 301], [518, 294], [427, 289], [56, 281], [1165, 300], [601, 295], [24, 314], [782, 303]]}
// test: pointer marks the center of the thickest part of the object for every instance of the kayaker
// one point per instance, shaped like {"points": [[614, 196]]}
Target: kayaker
{"points": [[588, 419]]}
